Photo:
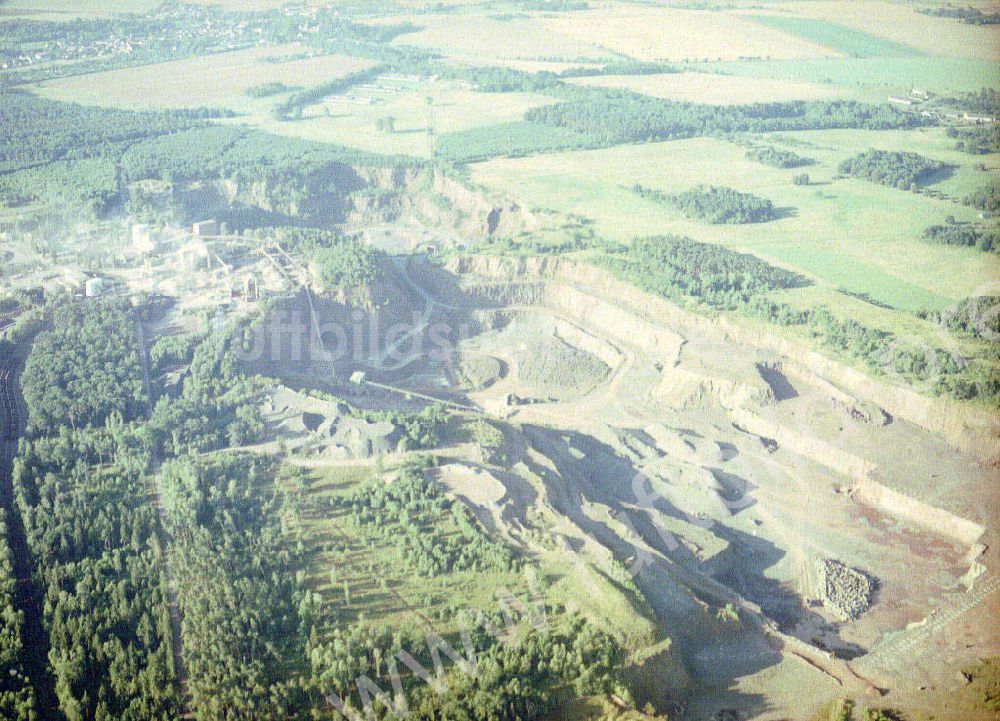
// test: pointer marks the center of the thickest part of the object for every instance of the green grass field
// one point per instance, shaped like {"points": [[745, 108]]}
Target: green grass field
{"points": [[836, 37], [512, 139], [844, 233]]}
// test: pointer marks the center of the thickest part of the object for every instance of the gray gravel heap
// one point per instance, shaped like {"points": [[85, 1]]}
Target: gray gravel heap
{"points": [[845, 592]]}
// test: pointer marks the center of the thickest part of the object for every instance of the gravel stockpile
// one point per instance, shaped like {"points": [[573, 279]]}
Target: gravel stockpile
{"points": [[845, 592]]}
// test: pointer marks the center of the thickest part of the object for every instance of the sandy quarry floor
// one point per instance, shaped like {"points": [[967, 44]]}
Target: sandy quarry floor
{"points": [[639, 436]]}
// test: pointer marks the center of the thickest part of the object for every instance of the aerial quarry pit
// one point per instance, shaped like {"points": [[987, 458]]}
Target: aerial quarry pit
{"points": [[499, 360], [710, 464]]}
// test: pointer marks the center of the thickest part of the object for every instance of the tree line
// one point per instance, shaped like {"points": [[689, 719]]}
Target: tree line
{"points": [[616, 116]]}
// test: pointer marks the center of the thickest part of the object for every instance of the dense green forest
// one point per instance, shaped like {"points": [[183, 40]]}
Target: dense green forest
{"points": [[777, 158], [514, 139], [615, 117], [84, 369], [217, 408], [714, 204], [905, 171], [80, 490], [236, 580], [17, 695], [347, 264]]}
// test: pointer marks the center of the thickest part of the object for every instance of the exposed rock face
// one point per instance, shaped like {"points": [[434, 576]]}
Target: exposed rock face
{"points": [[845, 592]]}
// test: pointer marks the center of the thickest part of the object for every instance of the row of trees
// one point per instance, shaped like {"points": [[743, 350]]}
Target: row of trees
{"points": [[895, 169], [616, 116], [968, 14], [713, 204]]}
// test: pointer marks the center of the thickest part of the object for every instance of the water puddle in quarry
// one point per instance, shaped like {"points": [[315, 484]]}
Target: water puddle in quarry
{"points": [[724, 516]]}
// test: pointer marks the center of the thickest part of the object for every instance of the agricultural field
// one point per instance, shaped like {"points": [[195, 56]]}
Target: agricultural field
{"points": [[479, 38], [692, 34], [854, 43], [453, 109], [847, 233], [209, 81], [693, 87], [877, 76], [901, 23]]}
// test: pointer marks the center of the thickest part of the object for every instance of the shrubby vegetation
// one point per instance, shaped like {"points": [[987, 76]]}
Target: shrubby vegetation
{"points": [[986, 239], [715, 204], [420, 430], [433, 533], [980, 140], [218, 406], [986, 198], [895, 169], [974, 317], [777, 158], [680, 268]]}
